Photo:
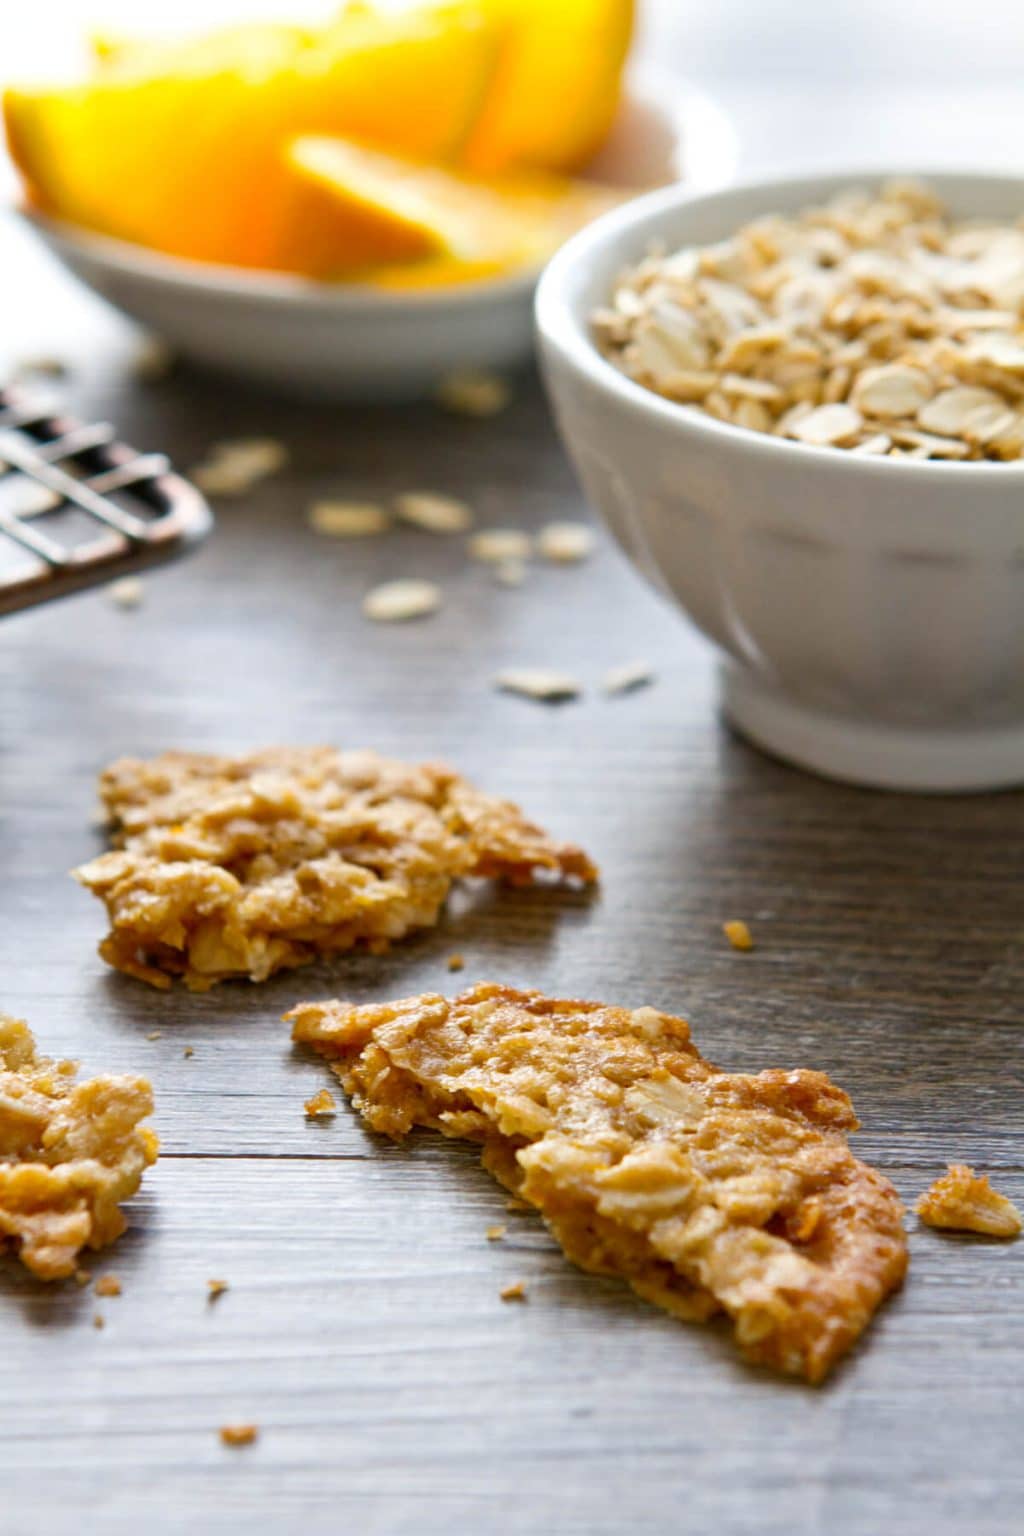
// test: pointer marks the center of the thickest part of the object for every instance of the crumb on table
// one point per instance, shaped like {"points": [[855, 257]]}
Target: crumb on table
{"points": [[738, 934], [321, 1103], [108, 1285], [216, 1288], [239, 1434], [514, 1292], [456, 962], [496, 1233], [964, 1201]]}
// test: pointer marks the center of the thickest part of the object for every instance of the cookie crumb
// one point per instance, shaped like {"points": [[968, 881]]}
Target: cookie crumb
{"points": [[456, 963], [514, 1292], [239, 1434], [964, 1201], [216, 1288], [187, 1052], [738, 934], [98, 1320], [518, 1205], [321, 1103], [155, 1034], [496, 1233], [108, 1285], [82, 1277]]}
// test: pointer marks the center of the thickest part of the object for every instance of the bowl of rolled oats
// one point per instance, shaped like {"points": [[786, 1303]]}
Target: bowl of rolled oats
{"points": [[799, 405]]}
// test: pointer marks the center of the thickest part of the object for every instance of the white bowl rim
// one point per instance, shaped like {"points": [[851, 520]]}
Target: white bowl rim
{"points": [[261, 286], [569, 335]]}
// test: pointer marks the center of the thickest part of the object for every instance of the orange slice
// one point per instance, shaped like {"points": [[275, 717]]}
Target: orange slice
{"points": [[181, 147], [457, 226], [558, 85]]}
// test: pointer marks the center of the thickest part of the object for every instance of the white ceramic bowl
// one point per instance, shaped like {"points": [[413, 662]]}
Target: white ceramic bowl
{"points": [[349, 341], [870, 611]]}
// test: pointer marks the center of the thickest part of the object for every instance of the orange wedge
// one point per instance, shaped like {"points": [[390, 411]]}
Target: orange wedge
{"points": [[181, 147], [558, 84], [443, 226]]}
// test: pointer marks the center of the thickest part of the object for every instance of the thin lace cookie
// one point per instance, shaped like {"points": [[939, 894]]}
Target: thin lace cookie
{"points": [[707, 1191], [243, 866], [70, 1153]]}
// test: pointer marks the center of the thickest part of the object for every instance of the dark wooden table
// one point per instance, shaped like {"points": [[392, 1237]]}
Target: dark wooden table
{"points": [[363, 1330]]}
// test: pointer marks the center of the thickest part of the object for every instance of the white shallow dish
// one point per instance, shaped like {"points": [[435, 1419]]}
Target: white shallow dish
{"points": [[870, 612], [357, 342]]}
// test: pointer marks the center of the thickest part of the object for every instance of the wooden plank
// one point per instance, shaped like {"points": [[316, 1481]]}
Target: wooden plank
{"points": [[364, 1333]]}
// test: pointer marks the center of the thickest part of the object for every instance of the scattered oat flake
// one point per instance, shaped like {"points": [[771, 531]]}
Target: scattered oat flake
{"points": [[473, 394], [41, 367], [738, 934], [155, 1034], [494, 545], [216, 1288], [108, 1285], [565, 543], [496, 1233], [321, 1103], [128, 592], [435, 513], [627, 678], [232, 468], [456, 963], [153, 360], [536, 683], [514, 1292], [239, 1434], [395, 601], [348, 519], [964, 1201], [510, 573]]}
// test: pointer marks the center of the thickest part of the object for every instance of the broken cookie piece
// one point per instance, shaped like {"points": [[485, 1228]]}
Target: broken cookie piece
{"points": [[70, 1153], [964, 1201], [243, 866], [708, 1191]]}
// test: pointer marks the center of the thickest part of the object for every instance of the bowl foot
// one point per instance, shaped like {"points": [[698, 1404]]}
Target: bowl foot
{"points": [[871, 753]]}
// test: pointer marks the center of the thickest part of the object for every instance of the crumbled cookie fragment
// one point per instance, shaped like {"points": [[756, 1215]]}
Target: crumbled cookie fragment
{"points": [[708, 1191], [496, 1233], [321, 1103], [738, 934], [240, 867], [107, 1285], [239, 1434], [216, 1288], [456, 962], [514, 1292], [82, 1277], [188, 1052], [70, 1153], [965, 1201], [98, 1320]]}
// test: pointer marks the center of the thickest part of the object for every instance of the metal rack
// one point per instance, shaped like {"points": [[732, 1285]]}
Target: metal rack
{"points": [[78, 508]]}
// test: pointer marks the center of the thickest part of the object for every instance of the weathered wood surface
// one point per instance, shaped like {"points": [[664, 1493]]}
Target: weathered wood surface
{"points": [[363, 1330]]}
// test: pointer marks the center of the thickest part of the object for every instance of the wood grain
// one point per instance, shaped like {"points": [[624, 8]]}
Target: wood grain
{"points": [[363, 1330]]}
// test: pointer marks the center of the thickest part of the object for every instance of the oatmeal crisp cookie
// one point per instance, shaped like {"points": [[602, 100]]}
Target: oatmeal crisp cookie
{"points": [[70, 1153], [240, 867], [965, 1201], [706, 1190]]}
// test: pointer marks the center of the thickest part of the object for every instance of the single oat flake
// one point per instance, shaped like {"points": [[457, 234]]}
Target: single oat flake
{"points": [[474, 394], [233, 467], [565, 543], [435, 513], [499, 545], [243, 866], [628, 677], [395, 602], [707, 1191], [537, 683], [128, 592], [348, 519], [965, 1201]]}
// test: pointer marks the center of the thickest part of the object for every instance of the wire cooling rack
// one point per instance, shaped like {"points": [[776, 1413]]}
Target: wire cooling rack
{"points": [[78, 508]]}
